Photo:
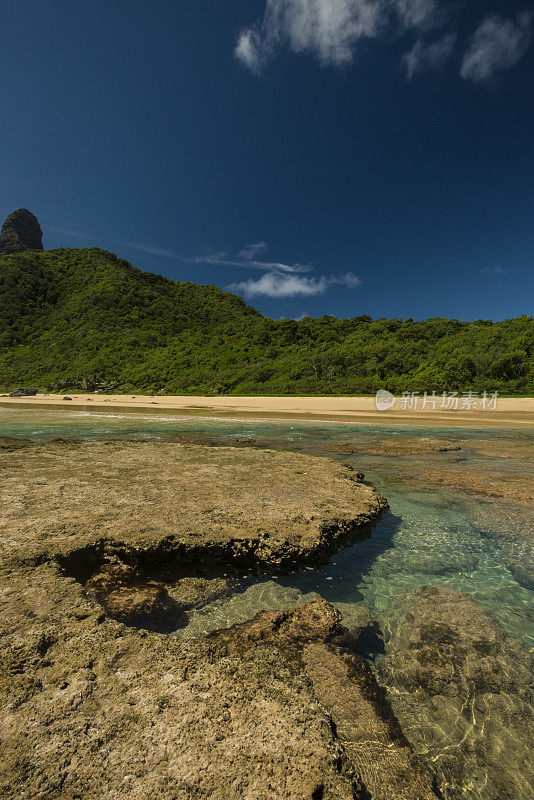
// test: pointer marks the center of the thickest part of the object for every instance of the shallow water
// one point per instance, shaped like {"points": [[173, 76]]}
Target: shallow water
{"points": [[430, 535]]}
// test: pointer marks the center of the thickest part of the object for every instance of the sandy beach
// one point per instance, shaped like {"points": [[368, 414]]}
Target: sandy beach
{"points": [[509, 412]]}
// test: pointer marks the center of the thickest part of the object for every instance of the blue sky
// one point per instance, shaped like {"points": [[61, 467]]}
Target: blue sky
{"points": [[337, 157]]}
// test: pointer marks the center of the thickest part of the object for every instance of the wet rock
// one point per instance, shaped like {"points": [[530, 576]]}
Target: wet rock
{"points": [[384, 763], [289, 629], [517, 489], [434, 557], [339, 447], [194, 592], [408, 445], [504, 448], [518, 557], [240, 606], [236, 441], [20, 232], [127, 598], [365, 725], [355, 620], [193, 438], [523, 573], [393, 446], [462, 691]]}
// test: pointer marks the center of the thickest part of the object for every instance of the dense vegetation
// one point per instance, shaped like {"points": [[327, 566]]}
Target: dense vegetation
{"points": [[85, 317]]}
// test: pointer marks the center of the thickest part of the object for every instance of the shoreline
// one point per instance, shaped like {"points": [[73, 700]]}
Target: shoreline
{"points": [[510, 412]]}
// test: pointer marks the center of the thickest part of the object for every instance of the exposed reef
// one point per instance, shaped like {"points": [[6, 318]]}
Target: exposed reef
{"points": [[153, 504], [96, 708], [515, 489], [394, 446]]}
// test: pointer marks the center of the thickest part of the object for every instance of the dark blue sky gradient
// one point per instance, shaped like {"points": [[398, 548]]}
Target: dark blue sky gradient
{"points": [[133, 123]]}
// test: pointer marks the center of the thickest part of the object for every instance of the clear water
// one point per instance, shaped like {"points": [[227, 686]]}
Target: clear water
{"points": [[430, 535]]}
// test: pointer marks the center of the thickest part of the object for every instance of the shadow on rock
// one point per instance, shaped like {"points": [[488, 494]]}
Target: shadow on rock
{"points": [[132, 601]]}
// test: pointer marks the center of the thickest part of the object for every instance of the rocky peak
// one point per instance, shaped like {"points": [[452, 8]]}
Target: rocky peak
{"points": [[21, 231]]}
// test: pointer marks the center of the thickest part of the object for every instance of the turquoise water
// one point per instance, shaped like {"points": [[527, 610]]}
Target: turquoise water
{"points": [[430, 535]]}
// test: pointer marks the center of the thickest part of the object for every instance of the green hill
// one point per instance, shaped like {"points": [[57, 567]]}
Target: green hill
{"points": [[84, 317]]}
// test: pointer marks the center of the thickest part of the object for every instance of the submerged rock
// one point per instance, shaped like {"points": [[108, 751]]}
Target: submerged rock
{"points": [[383, 761], [462, 691], [236, 441], [236, 608], [292, 628], [519, 489], [194, 592], [20, 232], [518, 557], [355, 620]]}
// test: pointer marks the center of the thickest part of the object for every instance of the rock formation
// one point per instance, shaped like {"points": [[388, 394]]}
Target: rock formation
{"points": [[20, 232], [98, 709], [131, 600], [383, 761], [206, 505]]}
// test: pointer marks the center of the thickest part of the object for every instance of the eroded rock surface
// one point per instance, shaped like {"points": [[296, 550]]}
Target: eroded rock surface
{"points": [[411, 445], [160, 501], [95, 709], [394, 446], [462, 691], [383, 762]]}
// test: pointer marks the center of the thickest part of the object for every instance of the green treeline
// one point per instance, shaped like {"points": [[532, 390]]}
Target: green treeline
{"points": [[72, 317]]}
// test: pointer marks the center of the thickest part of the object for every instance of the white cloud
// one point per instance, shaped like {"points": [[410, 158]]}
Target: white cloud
{"points": [[423, 56], [498, 44], [249, 49], [275, 284], [250, 251], [347, 279], [330, 30], [153, 250], [494, 271], [247, 258], [419, 13]]}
